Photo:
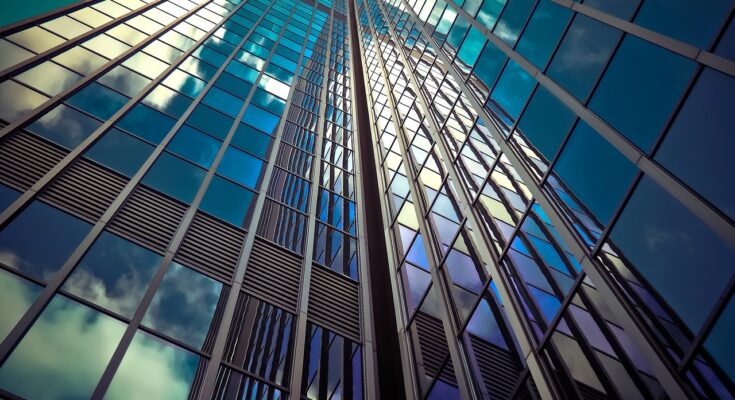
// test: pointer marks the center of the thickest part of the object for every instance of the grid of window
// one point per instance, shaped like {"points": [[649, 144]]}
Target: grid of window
{"points": [[188, 99]]}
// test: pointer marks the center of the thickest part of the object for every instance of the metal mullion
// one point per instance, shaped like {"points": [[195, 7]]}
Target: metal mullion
{"points": [[381, 177], [485, 249], [252, 376], [47, 16], [686, 196], [209, 381], [301, 317], [663, 371], [40, 303], [699, 55], [68, 44], [448, 318]]}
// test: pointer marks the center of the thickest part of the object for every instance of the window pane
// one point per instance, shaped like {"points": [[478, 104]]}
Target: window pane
{"points": [[208, 120], [65, 126], [175, 177], [620, 8], [719, 342], [168, 101], [698, 147], [114, 274], [490, 64], [66, 349], [17, 100], [543, 32], [223, 101], [240, 167], [546, 122], [40, 239], [147, 123], [680, 256], [640, 89], [49, 78], [16, 296], [184, 305], [252, 140], [680, 20], [153, 369], [195, 146], [7, 196], [80, 60], [119, 151], [595, 171], [124, 81], [98, 101], [513, 89], [582, 55], [228, 201], [513, 19], [261, 119]]}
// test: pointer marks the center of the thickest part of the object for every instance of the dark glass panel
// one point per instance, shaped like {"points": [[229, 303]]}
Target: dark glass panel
{"points": [[98, 100], [546, 122], [119, 151], [252, 140], [512, 20], [175, 177], [240, 167], [7, 196], [223, 101], [40, 239], [147, 123], [65, 126], [228, 201], [194, 145], [543, 32], [695, 23], [211, 121], [114, 274], [513, 89]]}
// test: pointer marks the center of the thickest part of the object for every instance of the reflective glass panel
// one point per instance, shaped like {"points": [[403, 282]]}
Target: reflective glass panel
{"points": [[16, 296], [98, 100], [240, 167], [194, 145], [119, 151], [147, 123], [65, 126], [228, 201], [175, 177]]}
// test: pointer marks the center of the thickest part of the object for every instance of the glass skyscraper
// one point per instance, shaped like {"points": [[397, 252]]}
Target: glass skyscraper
{"points": [[337, 199]]}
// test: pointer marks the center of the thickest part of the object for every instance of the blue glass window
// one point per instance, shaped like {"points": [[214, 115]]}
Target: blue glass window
{"points": [[184, 305], [489, 12], [261, 119], [195, 146], [65, 126], [252, 140], [698, 147], [543, 32], [595, 171], [16, 295], [168, 101], [472, 46], [240, 167], [7, 196], [620, 8], [184, 83], [513, 89], [98, 101], [682, 20], [40, 239], [269, 101], [513, 19], [66, 330], [175, 177], [573, 67], [174, 370], [726, 46], [119, 151], [490, 64], [228, 201], [208, 120], [719, 342], [679, 256], [223, 101], [147, 123], [233, 85], [640, 89], [114, 274], [546, 122], [242, 71]]}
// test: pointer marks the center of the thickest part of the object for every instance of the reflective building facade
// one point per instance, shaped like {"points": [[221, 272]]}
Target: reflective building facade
{"points": [[334, 199]]}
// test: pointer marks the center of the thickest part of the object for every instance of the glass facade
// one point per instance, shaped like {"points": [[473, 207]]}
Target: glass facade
{"points": [[184, 206]]}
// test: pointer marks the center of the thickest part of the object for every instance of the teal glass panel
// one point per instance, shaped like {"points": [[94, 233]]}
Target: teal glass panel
{"points": [[233, 85], [175, 177], [458, 32], [184, 83], [242, 71], [677, 253], [228, 201], [184, 305], [7, 196], [513, 19], [211, 121], [194, 145], [573, 65], [620, 8], [240, 167], [223, 101], [490, 64], [726, 46], [252, 140], [168, 101], [471, 47], [640, 90], [698, 147], [153, 369], [16, 296], [268, 101], [719, 343], [114, 274], [693, 23], [121, 152], [65, 126], [595, 171], [67, 349], [261, 119], [546, 122], [543, 32], [489, 12], [98, 101], [513, 89], [147, 123], [40, 239]]}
